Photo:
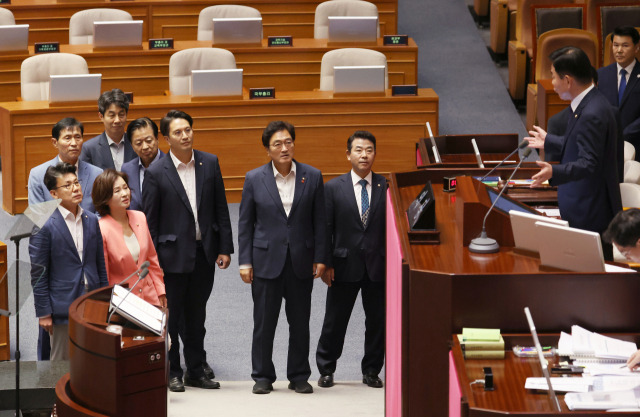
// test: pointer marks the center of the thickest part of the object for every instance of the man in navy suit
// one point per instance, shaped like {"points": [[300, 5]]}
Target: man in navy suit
{"points": [[144, 140], [620, 83], [356, 219], [188, 216], [587, 177], [67, 258], [282, 248], [112, 148]]}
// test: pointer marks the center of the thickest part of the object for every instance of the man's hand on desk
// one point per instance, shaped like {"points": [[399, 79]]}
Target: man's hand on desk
{"points": [[537, 138], [634, 360], [542, 176]]}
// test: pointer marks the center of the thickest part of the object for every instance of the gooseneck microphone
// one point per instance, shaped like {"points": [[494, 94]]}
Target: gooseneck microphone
{"points": [[484, 244], [143, 273], [522, 145], [145, 265]]}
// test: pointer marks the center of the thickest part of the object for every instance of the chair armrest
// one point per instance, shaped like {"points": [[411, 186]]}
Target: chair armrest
{"points": [[517, 56], [498, 25]]}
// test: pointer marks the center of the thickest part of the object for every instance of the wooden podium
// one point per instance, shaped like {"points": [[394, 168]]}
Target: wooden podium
{"points": [[111, 375]]}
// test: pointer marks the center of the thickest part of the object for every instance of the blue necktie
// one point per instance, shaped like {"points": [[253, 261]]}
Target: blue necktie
{"points": [[364, 198], [623, 84]]}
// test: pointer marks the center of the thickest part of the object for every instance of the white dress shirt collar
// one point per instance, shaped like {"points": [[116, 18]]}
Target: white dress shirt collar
{"points": [[177, 162], [276, 172], [578, 99], [628, 68]]}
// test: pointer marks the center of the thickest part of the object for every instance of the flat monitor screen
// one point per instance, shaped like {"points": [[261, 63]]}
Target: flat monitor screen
{"points": [[237, 30], [358, 79], [212, 83], [77, 87], [117, 33], [353, 28], [14, 37]]}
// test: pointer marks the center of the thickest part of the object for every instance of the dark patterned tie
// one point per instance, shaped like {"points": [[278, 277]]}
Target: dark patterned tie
{"points": [[623, 84], [364, 198]]}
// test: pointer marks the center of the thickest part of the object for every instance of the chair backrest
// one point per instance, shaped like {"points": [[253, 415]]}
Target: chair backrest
{"points": [[183, 62], [629, 151], [592, 12], [524, 20], [35, 73], [205, 23], [81, 23], [340, 8], [6, 17], [559, 38], [607, 50], [630, 194], [346, 57], [611, 16], [632, 171]]}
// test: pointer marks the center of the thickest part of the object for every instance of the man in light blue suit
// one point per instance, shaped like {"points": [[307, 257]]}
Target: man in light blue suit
{"points": [[67, 257], [144, 140], [66, 137]]}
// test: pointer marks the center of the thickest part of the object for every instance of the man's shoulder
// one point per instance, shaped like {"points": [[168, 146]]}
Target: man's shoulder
{"points": [[131, 166], [93, 142], [308, 169], [92, 169], [335, 182], [42, 168], [257, 171]]}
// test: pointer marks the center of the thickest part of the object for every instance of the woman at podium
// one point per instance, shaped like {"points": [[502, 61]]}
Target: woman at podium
{"points": [[126, 238]]}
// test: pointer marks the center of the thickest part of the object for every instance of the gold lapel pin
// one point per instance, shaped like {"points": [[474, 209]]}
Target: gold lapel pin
{"points": [[200, 163]]}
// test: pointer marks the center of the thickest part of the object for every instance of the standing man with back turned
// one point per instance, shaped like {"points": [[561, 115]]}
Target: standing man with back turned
{"points": [[587, 176], [356, 216], [620, 83], [281, 240], [188, 216]]}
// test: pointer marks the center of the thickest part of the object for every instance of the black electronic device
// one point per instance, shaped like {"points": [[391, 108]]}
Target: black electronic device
{"points": [[264, 92], [395, 40], [422, 211], [449, 184], [160, 43], [279, 41], [404, 90], [46, 47]]}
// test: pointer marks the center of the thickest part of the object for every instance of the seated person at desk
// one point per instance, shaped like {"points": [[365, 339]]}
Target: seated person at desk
{"points": [[67, 259], [624, 233], [126, 238], [112, 148]]}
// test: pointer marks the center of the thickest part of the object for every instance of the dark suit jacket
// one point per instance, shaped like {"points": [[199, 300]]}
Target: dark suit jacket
{"points": [[354, 248], [57, 273], [132, 169], [170, 218], [629, 108], [265, 232], [96, 151], [587, 178]]}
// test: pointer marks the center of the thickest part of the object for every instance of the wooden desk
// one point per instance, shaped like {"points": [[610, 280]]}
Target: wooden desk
{"points": [[178, 19], [232, 130], [146, 72], [445, 287], [4, 304], [458, 149], [549, 103]]}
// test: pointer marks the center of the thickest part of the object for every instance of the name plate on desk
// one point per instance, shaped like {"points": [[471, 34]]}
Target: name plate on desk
{"points": [[395, 40], [46, 47], [5, 1], [280, 41], [404, 90], [264, 92], [161, 43]]}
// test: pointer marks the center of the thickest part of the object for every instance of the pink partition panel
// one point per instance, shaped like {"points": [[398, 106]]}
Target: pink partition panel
{"points": [[418, 158], [455, 393], [394, 316]]}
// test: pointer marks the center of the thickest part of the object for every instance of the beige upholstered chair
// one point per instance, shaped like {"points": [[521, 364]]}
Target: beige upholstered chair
{"points": [[630, 194], [6, 17], [81, 23], [183, 62], [35, 73], [340, 8], [629, 151], [205, 24], [632, 171], [349, 56]]}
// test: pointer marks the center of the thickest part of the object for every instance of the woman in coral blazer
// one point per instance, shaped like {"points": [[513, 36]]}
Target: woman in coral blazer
{"points": [[126, 238]]}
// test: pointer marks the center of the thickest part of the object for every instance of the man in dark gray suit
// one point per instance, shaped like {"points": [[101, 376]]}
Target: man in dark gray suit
{"points": [[112, 148], [281, 240], [356, 219], [188, 216]]}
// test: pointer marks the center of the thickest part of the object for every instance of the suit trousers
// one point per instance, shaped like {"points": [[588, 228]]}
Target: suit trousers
{"points": [[341, 297], [267, 298], [44, 345], [187, 296]]}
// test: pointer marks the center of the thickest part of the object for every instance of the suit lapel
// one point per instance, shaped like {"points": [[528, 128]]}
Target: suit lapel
{"points": [[633, 80], [62, 230], [301, 181], [376, 192], [174, 179], [135, 181], [129, 154], [270, 184], [576, 116], [346, 186], [86, 233], [105, 152]]}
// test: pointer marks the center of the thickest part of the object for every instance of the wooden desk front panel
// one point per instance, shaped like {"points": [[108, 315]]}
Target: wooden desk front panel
{"points": [[232, 130], [4, 304], [49, 19], [146, 72]]}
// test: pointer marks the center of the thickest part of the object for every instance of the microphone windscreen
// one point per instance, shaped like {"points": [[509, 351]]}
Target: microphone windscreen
{"points": [[526, 153], [144, 273], [145, 265], [523, 144]]}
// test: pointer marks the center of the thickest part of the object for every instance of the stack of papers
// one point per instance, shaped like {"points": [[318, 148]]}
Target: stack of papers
{"points": [[590, 347], [604, 400]]}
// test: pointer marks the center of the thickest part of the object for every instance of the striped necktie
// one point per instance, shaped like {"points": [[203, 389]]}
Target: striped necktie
{"points": [[364, 198]]}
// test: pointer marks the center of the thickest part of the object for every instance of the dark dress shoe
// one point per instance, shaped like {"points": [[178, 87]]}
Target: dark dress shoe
{"points": [[202, 382], [262, 387], [372, 380], [301, 387], [208, 372], [325, 381], [176, 385]]}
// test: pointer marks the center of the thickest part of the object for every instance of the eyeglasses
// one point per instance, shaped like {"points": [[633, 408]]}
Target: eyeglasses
{"points": [[278, 145], [71, 185]]}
